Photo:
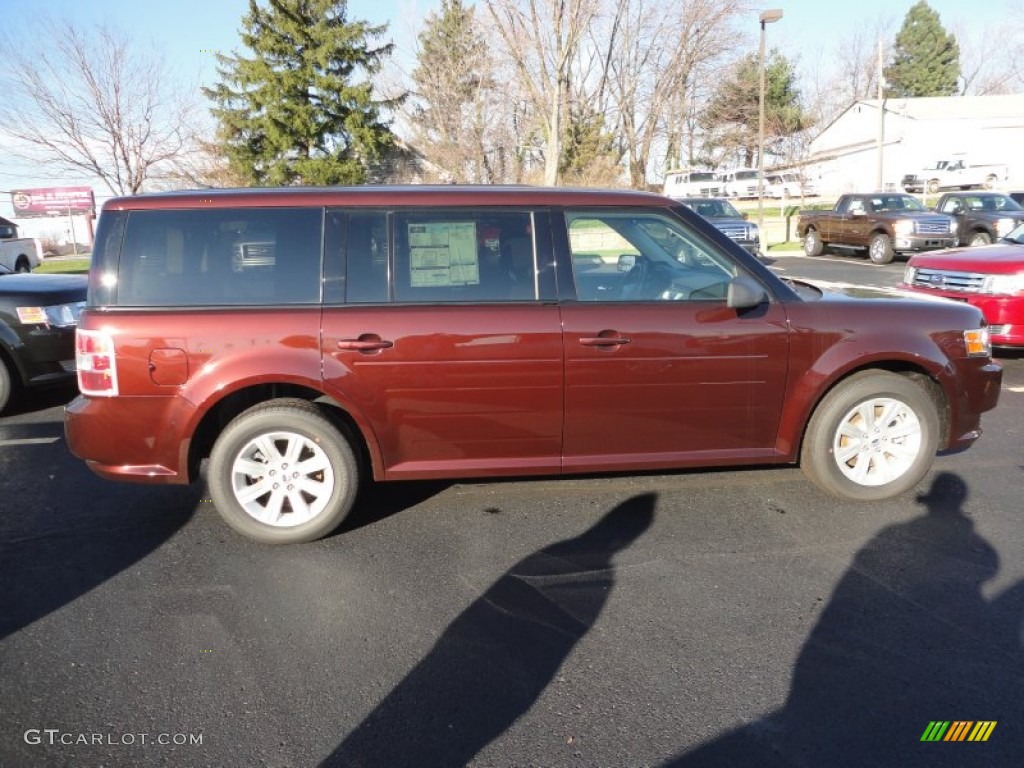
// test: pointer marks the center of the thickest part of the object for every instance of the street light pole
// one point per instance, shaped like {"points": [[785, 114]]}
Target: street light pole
{"points": [[767, 17]]}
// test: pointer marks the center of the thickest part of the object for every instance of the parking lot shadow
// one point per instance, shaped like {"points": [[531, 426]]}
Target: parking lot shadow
{"points": [[64, 531], [907, 638], [496, 658]]}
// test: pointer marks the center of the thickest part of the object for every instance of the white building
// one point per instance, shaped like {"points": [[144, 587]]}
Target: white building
{"points": [[982, 130]]}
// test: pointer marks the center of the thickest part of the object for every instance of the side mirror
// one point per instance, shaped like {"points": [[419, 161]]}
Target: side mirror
{"points": [[858, 212], [626, 262], [744, 293], [745, 215]]}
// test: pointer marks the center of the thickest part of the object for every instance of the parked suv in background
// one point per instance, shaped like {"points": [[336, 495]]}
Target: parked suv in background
{"points": [[989, 278], [982, 217], [418, 332], [728, 220]]}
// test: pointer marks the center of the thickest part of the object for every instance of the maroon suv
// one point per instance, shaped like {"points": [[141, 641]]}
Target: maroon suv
{"points": [[306, 339]]}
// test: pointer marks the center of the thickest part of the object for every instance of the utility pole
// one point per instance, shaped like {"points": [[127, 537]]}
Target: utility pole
{"points": [[881, 113]]}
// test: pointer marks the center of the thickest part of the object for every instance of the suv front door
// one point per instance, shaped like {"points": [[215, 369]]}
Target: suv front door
{"points": [[659, 371]]}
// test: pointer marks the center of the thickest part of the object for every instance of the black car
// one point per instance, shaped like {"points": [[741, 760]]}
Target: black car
{"points": [[38, 316], [727, 220]]}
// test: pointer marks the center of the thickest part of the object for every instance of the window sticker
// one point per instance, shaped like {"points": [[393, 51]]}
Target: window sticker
{"points": [[443, 254]]}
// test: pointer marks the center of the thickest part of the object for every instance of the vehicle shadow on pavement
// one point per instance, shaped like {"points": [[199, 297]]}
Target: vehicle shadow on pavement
{"points": [[497, 657], [907, 638], [64, 531]]}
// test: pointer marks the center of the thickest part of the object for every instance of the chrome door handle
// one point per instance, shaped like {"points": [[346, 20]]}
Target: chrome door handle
{"points": [[603, 341], [364, 344]]}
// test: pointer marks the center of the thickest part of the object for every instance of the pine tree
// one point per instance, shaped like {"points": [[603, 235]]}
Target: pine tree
{"points": [[732, 115], [452, 88], [300, 109], [926, 59]]}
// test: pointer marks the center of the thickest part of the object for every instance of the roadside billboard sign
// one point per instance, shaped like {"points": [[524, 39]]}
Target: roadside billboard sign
{"points": [[52, 201]]}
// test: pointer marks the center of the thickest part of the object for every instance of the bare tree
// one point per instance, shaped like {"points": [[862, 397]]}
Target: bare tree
{"points": [[652, 56], [90, 103], [542, 38]]}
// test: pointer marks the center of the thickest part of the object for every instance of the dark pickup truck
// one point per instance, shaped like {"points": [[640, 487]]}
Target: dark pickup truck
{"points": [[982, 217], [883, 223]]}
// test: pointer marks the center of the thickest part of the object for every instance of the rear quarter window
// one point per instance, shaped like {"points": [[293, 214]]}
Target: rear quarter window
{"points": [[218, 257]]}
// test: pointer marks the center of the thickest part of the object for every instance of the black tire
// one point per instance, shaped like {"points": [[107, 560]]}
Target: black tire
{"points": [[932, 186], [22, 265], [292, 425], [880, 249], [990, 181], [872, 393], [6, 385], [980, 238], [812, 243]]}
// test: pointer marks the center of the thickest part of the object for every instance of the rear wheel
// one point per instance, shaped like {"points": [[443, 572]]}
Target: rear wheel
{"points": [[880, 249], [932, 186], [990, 181], [980, 238], [872, 437], [283, 473], [812, 243], [22, 265]]}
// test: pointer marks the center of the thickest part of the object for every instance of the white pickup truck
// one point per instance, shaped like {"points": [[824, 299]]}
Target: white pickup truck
{"points": [[954, 174], [18, 254]]}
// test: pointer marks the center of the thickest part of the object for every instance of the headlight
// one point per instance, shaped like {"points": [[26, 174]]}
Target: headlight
{"points": [[909, 274], [752, 232], [904, 227], [954, 225], [58, 315], [1005, 226], [1008, 285], [977, 342]]}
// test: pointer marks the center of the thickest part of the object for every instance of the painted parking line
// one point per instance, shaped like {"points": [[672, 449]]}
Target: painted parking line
{"points": [[29, 441], [1014, 389]]}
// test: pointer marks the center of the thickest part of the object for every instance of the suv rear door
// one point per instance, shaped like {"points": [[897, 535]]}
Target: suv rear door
{"points": [[441, 334]]}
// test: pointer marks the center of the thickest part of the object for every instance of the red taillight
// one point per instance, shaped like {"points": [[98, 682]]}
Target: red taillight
{"points": [[94, 358]]}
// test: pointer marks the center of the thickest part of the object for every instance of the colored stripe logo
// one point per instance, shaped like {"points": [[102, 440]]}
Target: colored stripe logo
{"points": [[958, 730]]}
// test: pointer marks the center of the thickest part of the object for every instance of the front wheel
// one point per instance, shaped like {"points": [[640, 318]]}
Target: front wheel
{"points": [[880, 249], [22, 267], [980, 238], [283, 473], [932, 186], [990, 181], [873, 437]]}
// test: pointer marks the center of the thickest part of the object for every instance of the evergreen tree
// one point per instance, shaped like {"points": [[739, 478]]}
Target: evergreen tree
{"points": [[926, 59], [452, 89], [294, 112], [732, 116]]}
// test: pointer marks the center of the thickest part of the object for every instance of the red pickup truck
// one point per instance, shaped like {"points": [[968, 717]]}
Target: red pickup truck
{"points": [[883, 223]]}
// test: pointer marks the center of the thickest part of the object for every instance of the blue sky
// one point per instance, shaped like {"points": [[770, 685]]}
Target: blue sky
{"points": [[186, 30]]}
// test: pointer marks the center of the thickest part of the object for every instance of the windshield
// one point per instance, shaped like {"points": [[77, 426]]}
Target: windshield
{"points": [[1016, 235], [896, 203], [713, 208]]}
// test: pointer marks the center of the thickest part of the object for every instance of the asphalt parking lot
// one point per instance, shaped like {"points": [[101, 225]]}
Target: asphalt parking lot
{"points": [[685, 619]]}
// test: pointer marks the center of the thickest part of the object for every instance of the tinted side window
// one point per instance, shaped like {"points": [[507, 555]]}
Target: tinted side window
{"points": [[247, 256], [464, 256], [644, 256]]}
